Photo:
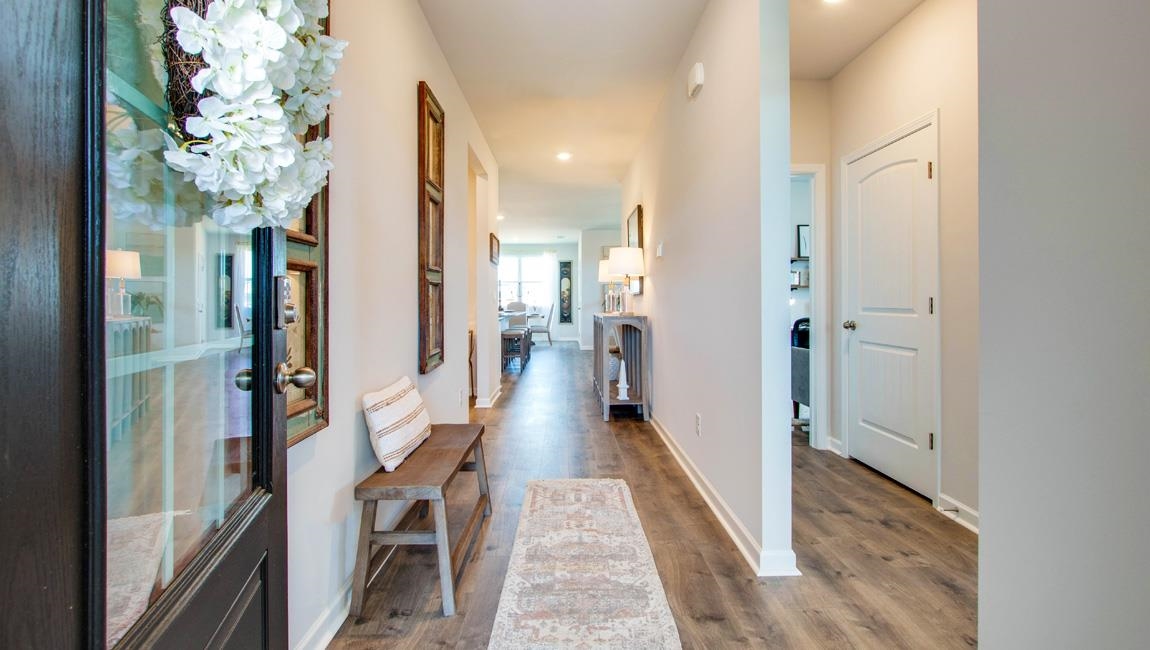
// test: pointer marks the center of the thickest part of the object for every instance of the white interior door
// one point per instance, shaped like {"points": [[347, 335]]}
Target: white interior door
{"points": [[890, 291]]}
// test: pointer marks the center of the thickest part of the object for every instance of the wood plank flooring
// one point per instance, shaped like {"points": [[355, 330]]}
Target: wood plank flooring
{"points": [[881, 568]]}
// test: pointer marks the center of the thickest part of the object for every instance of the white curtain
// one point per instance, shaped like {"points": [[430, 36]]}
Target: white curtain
{"points": [[551, 265], [241, 285]]}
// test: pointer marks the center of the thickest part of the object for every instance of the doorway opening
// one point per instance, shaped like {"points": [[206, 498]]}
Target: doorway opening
{"points": [[810, 372]]}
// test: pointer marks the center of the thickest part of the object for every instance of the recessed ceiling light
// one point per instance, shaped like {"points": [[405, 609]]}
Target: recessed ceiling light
{"points": [[499, 217], [564, 156], [833, 2]]}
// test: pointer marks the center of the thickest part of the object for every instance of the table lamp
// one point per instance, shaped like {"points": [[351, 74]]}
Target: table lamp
{"points": [[605, 277], [628, 262], [124, 265]]}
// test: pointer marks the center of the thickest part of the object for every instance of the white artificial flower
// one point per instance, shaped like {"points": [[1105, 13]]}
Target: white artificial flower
{"points": [[192, 32], [136, 185], [267, 79]]}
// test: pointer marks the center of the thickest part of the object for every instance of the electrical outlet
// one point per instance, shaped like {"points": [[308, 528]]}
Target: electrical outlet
{"points": [[699, 424]]}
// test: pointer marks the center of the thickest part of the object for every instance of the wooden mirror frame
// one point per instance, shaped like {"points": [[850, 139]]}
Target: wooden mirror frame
{"points": [[432, 131]]}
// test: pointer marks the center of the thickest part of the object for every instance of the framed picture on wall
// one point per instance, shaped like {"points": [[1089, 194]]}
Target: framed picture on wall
{"points": [[494, 249], [803, 242], [565, 287], [635, 240]]}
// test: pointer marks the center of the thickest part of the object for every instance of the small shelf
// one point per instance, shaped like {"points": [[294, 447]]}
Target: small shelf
{"points": [[795, 287], [800, 259], [636, 397]]}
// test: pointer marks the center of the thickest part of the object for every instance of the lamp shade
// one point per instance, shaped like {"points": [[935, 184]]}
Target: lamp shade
{"points": [[626, 261], [605, 276], [122, 264]]}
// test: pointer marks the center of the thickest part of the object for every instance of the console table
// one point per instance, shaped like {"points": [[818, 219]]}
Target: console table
{"points": [[126, 346], [631, 332]]}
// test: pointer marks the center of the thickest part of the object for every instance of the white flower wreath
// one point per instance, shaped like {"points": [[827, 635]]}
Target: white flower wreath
{"points": [[267, 79]]}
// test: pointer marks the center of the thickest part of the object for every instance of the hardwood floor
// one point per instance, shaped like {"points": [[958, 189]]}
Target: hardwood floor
{"points": [[881, 568]]}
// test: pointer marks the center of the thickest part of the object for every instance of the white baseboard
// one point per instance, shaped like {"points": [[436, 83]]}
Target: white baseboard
{"points": [[329, 621], [763, 563], [778, 563], [966, 516], [323, 630], [836, 445], [488, 402]]}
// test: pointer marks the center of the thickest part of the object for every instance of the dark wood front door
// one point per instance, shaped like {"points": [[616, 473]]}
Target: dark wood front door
{"points": [[194, 444], [142, 488]]}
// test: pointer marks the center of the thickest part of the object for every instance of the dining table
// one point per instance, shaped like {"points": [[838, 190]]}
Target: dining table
{"points": [[506, 315]]}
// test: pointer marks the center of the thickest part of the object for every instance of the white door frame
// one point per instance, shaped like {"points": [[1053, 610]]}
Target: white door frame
{"points": [[908, 129], [821, 338]]}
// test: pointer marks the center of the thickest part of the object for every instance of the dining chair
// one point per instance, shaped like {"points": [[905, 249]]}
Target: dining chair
{"points": [[240, 325], [518, 322], [546, 327]]}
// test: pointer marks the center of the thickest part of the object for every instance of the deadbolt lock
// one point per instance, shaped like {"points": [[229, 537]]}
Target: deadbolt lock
{"points": [[286, 313]]}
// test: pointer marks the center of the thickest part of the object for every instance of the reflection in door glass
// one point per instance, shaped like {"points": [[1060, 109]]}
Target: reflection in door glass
{"points": [[178, 330]]}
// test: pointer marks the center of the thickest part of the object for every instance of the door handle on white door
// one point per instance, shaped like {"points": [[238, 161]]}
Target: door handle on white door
{"points": [[850, 325]]}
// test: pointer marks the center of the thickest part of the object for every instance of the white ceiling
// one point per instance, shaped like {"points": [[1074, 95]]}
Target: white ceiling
{"points": [[586, 76], [583, 76], [825, 36]]}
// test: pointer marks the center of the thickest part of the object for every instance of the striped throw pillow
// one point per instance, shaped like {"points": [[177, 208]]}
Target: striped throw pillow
{"points": [[397, 422]]}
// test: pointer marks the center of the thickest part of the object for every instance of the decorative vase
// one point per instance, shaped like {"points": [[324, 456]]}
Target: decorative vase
{"points": [[623, 385]]}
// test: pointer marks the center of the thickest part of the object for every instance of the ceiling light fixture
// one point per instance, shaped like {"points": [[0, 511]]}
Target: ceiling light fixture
{"points": [[564, 156], [833, 2], [499, 217]]}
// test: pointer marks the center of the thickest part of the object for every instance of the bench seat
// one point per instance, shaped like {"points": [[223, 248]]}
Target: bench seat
{"points": [[424, 476]]}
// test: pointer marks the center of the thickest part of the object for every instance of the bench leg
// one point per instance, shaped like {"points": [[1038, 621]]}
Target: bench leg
{"points": [[443, 546], [362, 557], [481, 474]]}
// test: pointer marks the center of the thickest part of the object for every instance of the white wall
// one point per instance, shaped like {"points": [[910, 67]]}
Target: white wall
{"points": [[1065, 371], [489, 357], [810, 122], [372, 292], [562, 252], [591, 243], [928, 61], [718, 312]]}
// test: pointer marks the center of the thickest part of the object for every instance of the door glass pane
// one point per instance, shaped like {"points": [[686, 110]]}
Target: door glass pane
{"points": [[177, 324]]}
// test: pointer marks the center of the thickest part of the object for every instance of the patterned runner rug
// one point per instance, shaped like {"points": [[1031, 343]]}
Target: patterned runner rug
{"points": [[581, 573]]}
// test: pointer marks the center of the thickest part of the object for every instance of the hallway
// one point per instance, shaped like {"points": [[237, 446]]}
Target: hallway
{"points": [[880, 567]]}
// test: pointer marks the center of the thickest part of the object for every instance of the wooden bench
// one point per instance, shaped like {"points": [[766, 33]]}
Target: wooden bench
{"points": [[424, 477]]}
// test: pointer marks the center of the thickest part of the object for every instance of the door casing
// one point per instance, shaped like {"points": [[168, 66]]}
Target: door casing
{"points": [[821, 335]]}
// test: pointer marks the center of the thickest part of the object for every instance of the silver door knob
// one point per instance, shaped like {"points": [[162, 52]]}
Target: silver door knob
{"points": [[850, 325], [244, 379], [300, 378]]}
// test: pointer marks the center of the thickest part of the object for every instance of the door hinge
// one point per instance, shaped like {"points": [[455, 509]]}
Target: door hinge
{"points": [[931, 441], [929, 169], [932, 304]]}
